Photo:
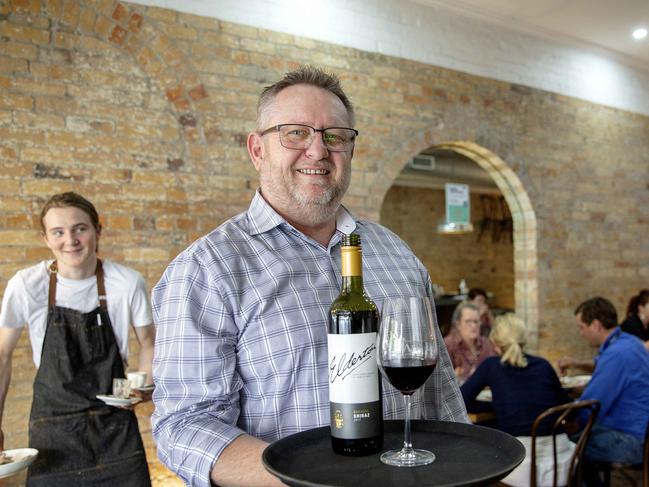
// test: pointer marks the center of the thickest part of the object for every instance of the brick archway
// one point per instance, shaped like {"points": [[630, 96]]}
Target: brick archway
{"points": [[525, 230], [148, 213], [124, 27], [524, 218], [156, 54]]}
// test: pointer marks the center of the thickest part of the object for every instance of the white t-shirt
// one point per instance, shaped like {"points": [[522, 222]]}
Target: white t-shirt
{"points": [[25, 301]]}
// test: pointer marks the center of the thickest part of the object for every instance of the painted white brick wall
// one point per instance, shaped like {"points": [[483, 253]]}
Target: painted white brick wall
{"points": [[446, 38]]}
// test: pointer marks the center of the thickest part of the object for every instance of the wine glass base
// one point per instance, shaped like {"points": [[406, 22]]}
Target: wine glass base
{"points": [[407, 458]]}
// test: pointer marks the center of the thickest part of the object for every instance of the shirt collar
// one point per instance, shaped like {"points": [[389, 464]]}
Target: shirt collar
{"points": [[262, 217], [610, 339]]}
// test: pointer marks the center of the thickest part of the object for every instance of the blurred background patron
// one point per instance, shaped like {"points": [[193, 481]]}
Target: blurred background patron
{"points": [[478, 296], [637, 317], [466, 347]]}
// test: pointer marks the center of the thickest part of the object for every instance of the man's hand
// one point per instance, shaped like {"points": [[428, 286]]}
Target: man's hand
{"points": [[144, 395], [565, 363]]}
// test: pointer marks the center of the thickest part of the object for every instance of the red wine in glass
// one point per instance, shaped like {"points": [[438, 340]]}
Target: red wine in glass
{"points": [[407, 348], [409, 375]]}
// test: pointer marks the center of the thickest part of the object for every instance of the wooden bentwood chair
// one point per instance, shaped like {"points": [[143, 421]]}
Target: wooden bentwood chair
{"points": [[562, 423]]}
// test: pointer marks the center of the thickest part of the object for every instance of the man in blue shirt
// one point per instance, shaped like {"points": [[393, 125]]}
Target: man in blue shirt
{"points": [[620, 383]]}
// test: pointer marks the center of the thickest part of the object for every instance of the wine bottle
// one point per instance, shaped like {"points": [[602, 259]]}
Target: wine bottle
{"points": [[355, 400]]}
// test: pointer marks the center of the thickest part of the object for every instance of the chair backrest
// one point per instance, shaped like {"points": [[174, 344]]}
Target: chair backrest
{"points": [[564, 416]]}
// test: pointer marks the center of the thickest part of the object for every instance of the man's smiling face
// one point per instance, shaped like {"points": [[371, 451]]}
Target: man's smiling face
{"points": [[305, 186]]}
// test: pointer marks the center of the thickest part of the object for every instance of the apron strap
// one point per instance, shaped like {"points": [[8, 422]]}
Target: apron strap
{"points": [[51, 300], [101, 289]]}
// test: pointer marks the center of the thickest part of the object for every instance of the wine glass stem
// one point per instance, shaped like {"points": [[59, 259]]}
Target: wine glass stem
{"points": [[407, 443]]}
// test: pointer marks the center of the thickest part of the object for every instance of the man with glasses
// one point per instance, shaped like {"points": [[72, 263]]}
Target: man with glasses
{"points": [[242, 314]]}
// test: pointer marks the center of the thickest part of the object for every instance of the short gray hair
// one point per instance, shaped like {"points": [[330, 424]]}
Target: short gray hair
{"points": [[457, 312], [304, 75]]}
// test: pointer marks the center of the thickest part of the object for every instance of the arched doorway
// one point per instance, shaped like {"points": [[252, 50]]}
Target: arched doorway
{"points": [[524, 228]]}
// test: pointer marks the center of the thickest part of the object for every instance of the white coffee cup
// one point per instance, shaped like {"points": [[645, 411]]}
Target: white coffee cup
{"points": [[121, 388], [136, 379]]}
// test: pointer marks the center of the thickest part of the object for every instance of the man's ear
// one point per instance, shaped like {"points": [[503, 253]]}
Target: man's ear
{"points": [[256, 149], [597, 324]]}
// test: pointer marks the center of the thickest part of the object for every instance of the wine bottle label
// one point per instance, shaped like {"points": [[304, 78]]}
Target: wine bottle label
{"points": [[353, 421], [354, 385]]}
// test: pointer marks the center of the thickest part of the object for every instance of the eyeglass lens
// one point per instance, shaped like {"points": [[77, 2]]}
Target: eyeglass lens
{"points": [[301, 137]]}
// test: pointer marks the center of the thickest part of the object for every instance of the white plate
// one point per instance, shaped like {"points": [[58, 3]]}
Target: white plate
{"points": [[484, 395], [118, 401], [575, 380], [20, 460], [148, 388]]}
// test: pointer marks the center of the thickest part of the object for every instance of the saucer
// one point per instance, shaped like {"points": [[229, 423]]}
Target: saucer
{"points": [[118, 401], [147, 388], [21, 458]]}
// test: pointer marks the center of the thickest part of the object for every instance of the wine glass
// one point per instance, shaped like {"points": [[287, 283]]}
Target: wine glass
{"points": [[407, 354]]}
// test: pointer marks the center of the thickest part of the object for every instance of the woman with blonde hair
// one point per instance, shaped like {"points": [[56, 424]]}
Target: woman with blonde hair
{"points": [[510, 337], [522, 387]]}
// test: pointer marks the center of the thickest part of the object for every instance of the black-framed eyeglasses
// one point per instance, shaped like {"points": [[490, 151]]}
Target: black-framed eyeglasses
{"points": [[300, 137]]}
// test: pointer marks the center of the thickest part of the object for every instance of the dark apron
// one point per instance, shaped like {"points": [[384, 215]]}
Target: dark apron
{"points": [[80, 440]]}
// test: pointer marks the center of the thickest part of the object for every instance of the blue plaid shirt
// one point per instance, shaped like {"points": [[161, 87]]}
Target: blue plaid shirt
{"points": [[241, 344]]}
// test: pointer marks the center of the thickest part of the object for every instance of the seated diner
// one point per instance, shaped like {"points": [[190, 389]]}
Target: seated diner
{"points": [[478, 296], [620, 382], [637, 317], [466, 347], [522, 387]]}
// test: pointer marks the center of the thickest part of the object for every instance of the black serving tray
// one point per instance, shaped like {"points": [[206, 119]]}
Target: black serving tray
{"points": [[466, 455]]}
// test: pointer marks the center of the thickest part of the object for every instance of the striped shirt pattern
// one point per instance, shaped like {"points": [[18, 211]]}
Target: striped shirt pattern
{"points": [[241, 345]]}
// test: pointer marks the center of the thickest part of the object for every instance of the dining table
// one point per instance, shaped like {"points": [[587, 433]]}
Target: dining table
{"points": [[466, 454]]}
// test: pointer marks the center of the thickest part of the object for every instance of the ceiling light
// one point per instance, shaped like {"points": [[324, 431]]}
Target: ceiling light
{"points": [[640, 33], [454, 228]]}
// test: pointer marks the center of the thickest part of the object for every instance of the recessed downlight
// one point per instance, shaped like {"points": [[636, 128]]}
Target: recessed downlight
{"points": [[639, 33]]}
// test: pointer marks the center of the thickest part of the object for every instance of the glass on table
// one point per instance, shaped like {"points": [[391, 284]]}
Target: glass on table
{"points": [[407, 349]]}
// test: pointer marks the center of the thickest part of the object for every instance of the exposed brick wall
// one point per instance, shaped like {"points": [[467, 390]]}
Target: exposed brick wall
{"points": [[146, 111], [451, 35]]}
